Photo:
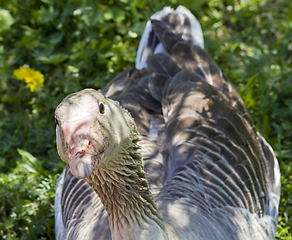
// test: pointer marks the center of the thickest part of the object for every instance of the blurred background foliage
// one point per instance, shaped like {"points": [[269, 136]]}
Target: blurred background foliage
{"points": [[78, 44]]}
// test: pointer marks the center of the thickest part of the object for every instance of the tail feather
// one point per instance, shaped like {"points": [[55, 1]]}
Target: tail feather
{"points": [[196, 30], [273, 176], [188, 28]]}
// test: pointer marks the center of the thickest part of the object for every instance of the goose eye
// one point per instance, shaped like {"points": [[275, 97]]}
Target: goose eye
{"points": [[101, 108], [56, 121]]}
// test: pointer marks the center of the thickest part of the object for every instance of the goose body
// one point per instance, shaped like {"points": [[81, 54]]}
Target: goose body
{"points": [[166, 150]]}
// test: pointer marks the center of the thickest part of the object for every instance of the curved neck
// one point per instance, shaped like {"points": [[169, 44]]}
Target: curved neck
{"points": [[123, 189]]}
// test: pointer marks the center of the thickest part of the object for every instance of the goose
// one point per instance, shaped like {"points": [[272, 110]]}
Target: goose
{"points": [[166, 150]]}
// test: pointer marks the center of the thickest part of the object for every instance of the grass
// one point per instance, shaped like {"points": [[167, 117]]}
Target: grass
{"points": [[77, 44]]}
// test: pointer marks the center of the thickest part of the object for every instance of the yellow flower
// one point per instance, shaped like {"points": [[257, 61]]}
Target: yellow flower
{"points": [[31, 77]]}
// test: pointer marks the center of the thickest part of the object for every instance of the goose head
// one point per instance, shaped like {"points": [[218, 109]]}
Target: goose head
{"points": [[91, 130]]}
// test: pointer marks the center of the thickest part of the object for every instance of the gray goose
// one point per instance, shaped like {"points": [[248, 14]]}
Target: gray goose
{"points": [[167, 150]]}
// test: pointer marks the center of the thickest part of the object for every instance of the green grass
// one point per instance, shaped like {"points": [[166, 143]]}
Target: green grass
{"points": [[78, 44]]}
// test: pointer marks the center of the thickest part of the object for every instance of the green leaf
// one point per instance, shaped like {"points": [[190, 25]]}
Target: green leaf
{"points": [[266, 127], [6, 20], [31, 163], [284, 153], [140, 3], [56, 58], [47, 1], [114, 14], [55, 37]]}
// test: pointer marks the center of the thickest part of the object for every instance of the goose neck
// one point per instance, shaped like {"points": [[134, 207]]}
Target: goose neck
{"points": [[123, 189]]}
